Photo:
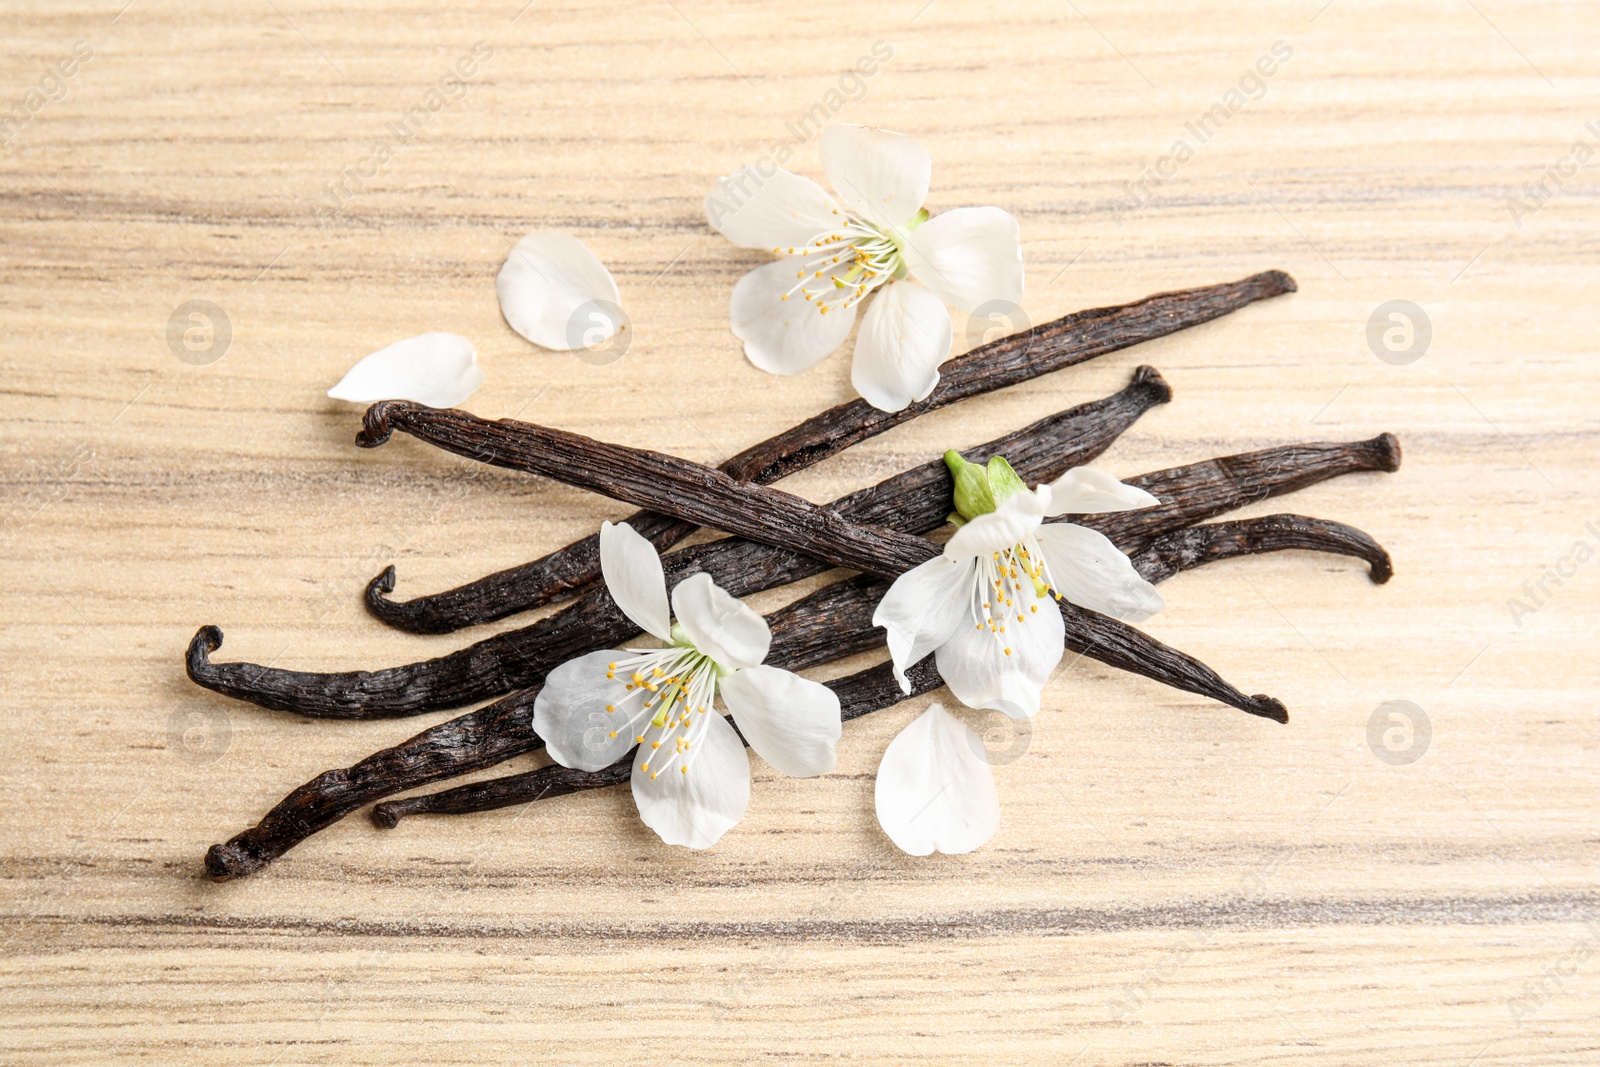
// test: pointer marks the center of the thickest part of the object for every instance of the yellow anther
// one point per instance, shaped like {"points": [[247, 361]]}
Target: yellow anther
{"points": [[613, 733], [639, 739], [685, 768], [611, 707], [655, 744], [1008, 652]]}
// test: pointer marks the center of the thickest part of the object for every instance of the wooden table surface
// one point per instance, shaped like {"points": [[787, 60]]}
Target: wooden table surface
{"points": [[1172, 881]]}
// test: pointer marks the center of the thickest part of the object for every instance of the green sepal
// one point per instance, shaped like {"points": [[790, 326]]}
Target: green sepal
{"points": [[1003, 481], [973, 496]]}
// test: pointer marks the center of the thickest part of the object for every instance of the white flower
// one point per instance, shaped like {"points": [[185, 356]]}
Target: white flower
{"points": [[792, 312], [437, 369], [691, 776], [554, 292], [977, 606], [935, 791]]}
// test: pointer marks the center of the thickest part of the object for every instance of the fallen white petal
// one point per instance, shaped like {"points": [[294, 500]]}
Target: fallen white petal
{"points": [[934, 792], [792, 722], [783, 336], [694, 809], [632, 570], [547, 280], [437, 369], [904, 336], [878, 174], [778, 212], [721, 626]]}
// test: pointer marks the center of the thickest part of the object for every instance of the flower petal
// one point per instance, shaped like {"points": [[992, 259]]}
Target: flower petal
{"points": [[1087, 569], [1089, 491], [1013, 519], [923, 607], [697, 808], [791, 722], [437, 369], [783, 211], [904, 336], [934, 792], [974, 663], [783, 336], [969, 257], [546, 280], [877, 174], [721, 626], [570, 713], [632, 570]]}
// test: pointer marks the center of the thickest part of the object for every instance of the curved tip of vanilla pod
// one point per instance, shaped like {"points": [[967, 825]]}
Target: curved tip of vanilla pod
{"points": [[378, 590], [1268, 708], [375, 428], [1380, 568], [197, 660], [227, 862], [386, 816], [1150, 378], [1280, 280], [1388, 446]]}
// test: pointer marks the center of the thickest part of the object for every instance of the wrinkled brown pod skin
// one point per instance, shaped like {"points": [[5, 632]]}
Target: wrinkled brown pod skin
{"points": [[875, 688], [1011, 360], [917, 500], [503, 730], [1189, 494]]}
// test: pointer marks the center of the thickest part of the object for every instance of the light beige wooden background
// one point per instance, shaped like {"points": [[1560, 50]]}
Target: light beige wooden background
{"points": [[1172, 882]]}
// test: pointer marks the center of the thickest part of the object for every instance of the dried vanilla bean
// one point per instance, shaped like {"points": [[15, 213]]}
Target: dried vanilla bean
{"points": [[1230, 482], [518, 658], [805, 634], [916, 500], [875, 688], [707, 497], [1011, 360], [830, 624], [667, 484], [1180, 550]]}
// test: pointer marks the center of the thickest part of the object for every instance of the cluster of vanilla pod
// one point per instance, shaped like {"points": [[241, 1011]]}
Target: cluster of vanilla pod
{"points": [[608, 715]]}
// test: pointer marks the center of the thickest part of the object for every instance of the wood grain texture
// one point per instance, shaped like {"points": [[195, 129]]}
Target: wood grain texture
{"points": [[1171, 883]]}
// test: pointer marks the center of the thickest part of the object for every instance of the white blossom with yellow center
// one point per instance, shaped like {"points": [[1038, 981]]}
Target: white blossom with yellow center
{"points": [[876, 238], [986, 607], [691, 775]]}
